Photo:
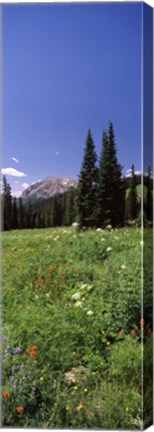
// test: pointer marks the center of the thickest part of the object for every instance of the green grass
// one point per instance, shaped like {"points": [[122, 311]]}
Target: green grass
{"points": [[75, 296]]}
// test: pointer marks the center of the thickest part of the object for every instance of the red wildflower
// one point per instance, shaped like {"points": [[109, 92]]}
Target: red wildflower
{"points": [[19, 409], [6, 394], [120, 332]]}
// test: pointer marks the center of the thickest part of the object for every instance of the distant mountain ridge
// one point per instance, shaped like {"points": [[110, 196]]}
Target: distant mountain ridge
{"points": [[46, 188]]}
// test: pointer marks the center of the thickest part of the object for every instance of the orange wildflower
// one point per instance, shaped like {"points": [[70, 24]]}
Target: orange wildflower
{"points": [[41, 281], [34, 347], [24, 356], [6, 394], [33, 353], [120, 332], [32, 350], [19, 409]]}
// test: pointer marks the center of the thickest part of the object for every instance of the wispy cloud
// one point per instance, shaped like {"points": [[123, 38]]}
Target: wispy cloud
{"points": [[25, 185], [16, 181], [15, 159], [13, 172], [57, 153]]}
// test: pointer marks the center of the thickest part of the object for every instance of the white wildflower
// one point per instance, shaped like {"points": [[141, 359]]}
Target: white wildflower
{"points": [[98, 229], [90, 312], [108, 249], [75, 224], [109, 227], [76, 296], [78, 304], [83, 286], [123, 266], [102, 239]]}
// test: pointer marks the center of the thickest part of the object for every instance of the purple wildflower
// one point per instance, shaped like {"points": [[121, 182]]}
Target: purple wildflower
{"points": [[17, 350], [22, 366], [12, 380]]}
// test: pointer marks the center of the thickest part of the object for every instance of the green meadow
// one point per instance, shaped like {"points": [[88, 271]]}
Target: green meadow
{"points": [[72, 328]]}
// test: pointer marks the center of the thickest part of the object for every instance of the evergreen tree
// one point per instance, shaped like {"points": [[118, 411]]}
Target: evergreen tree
{"points": [[7, 205], [86, 192], [21, 214], [29, 216], [102, 187], [149, 198], [110, 187], [69, 209], [15, 214], [132, 205]]}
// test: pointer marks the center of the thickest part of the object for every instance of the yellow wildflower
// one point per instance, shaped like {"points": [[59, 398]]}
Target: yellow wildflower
{"points": [[126, 409], [79, 407]]}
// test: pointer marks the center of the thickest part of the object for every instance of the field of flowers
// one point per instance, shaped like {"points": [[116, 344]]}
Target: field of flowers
{"points": [[72, 328]]}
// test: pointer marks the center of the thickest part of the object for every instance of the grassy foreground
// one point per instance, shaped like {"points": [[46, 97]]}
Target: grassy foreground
{"points": [[71, 332]]}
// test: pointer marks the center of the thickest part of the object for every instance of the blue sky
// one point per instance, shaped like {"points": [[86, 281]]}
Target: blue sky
{"points": [[68, 67]]}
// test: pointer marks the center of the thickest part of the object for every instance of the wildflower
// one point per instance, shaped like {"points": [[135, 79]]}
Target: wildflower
{"points": [[78, 304], [120, 332], [76, 296], [75, 388], [5, 394], [41, 281], [109, 227], [33, 347], [41, 378], [17, 350], [108, 249], [83, 286], [79, 407], [123, 266], [67, 408], [24, 356], [85, 390], [11, 379], [19, 409], [133, 332], [90, 312], [126, 409]]}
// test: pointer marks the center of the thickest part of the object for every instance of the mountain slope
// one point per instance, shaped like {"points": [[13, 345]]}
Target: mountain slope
{"points": [[46, 188]]}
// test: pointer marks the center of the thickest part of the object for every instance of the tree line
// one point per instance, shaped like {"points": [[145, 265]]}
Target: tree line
{"points": [[102, 197]]}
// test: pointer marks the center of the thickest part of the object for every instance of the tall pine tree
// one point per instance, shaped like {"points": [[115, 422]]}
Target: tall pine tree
{"points": [[14, 214], [110, 188], [86, 192], [7, 205]]}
